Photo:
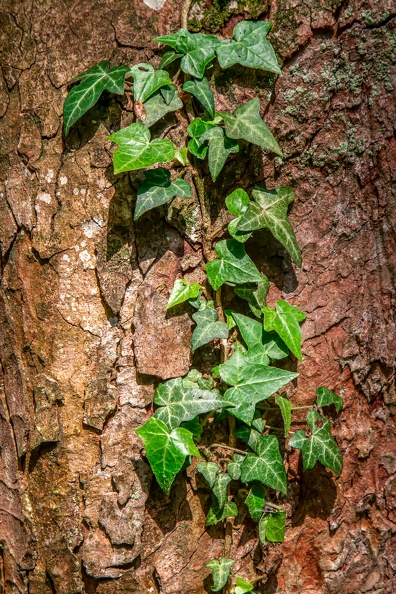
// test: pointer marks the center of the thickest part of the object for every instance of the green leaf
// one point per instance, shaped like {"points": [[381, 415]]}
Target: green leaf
{"points": [[327, 397], [182, 156], [257, 355], [249, 435], [217, 514], [156, 107], [182, 291], [267, 466], [209, 471], [166, 450], [253, 333], [286, 408], [208, 328], [237, 202], [234, 467], [195, 427], [147, 81], [136, 151], [220, 488], [219, 148], [255, 296], [220, 572], [246, 123], [202, 91], [272, 527], [179, 404], [269, 211], [255, 501], [242, 587], [230, 320], [93, 82], [157, 189], [258, 421], [320, 446], [168, 58], [198, 50], [285, 321], [233, 265], [251, 383]]}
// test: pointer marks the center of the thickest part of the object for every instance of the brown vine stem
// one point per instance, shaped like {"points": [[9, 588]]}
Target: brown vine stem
{"points": [[220, 445], [184, 13]]}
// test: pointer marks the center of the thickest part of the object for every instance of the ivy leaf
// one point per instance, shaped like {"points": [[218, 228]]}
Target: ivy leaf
{"points": [[230, 320], [217, 514], [93, 82], [220, 572], [168, 58], [156, 107], [285, 321], [249, 435], [327, 397], [258, 421], [219, 148], [208, 328], [269, 211], [181, 156], [242, 587], [196, 129], [237, 203], [251, 383], [179, 404], [157, 189], [253, 333], [136, 151], [255, 501], [256, 297], [233, 265], [147, 81], [286, 408], [257, 355], [246, 123], [267, 466], [198, 50], [234, 467], [166, 450], [320, 446], [220, 488], [202, 91], [272, 527], [195, 427], [182, 291], [209, 471], [250, 48]]}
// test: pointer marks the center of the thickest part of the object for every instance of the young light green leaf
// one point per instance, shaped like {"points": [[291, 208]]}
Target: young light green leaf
{"points": [[255, 296], [217, 514], [255, 501], [209, 471], [234, 467], [320, 446], [157, 189], [272, 527], [242, 587], [135, 150], [327, 397], [182, 156], [220, 488], [168, 58], [156, 107], [202, 91], [198, 50], [267, 466], [285, 321], [166, 450], [208, 328], [233, 265], [182, 291], [250, 48], [179, 404], [147, 81], [249, 435], [253, 333], [219, 148], [246, 123], [220, 572], [93, 82], [269, 211], [286, 408]]}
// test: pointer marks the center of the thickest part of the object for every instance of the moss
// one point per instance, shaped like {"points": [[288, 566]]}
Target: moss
{"points": [[213, 17]]}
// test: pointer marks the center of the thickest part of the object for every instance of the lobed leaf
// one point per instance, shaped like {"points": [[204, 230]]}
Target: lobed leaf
{"points": [[157, 106], [286, 408], [208, 328], [285, 321], [202, 91], [220, 147], [272, 527], [209, 471], [233, 265], [217, 514], [234, 467], [267, 466], [249, 435], [220, 572], [256, 297], [146, 81], [168, 58], [182, 291], [157, 189], [253, 334], [327, 397], [255, 501]]}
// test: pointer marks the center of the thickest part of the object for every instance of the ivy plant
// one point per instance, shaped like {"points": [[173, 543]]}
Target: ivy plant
{"points": [[256, 350]]}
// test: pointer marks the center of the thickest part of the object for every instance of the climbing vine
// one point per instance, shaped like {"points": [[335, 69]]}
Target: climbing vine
{"points": [[245, 384]]}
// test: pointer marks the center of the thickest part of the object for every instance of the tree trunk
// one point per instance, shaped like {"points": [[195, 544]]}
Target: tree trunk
{"points": [[84, 331]]}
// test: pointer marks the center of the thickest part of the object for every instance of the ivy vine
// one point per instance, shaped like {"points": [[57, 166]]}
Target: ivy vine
{"points": [[245, 385]]}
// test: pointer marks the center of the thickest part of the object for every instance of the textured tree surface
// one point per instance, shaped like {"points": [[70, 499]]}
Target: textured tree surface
{"points": [[84, 331]]}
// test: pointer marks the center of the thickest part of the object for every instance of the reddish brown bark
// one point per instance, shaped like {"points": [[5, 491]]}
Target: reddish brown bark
{"points": [[84, 291]]}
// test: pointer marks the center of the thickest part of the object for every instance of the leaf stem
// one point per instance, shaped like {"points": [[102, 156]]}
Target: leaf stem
{"points": [[184, 14], [220, 445], [276, 428]]}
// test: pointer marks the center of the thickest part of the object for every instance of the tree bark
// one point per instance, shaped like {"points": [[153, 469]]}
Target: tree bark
{"points": [[84, 331]]}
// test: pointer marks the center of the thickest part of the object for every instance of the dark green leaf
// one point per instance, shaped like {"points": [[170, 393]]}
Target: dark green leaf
{"points": [[233, 265], [157, 189], [136, 151], [168, 58], [93, 82], [253, 333], [234, 467], [220, 572], [272, 527], [219, 148], [217, 514], [285, 321], [202, 91], [286, 408], [209, 471], [326, 397], [156, 107], [166, 450], [269, 211], [182, 291], [255, 501], [195, 427], [246, 123], [250, 48], [220, 488], [267, 466], [257, 355], [208, 328], [255, 296], [249, 435]]}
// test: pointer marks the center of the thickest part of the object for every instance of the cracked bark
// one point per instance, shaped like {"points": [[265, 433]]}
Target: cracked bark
{"points": [[84, 290]]}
